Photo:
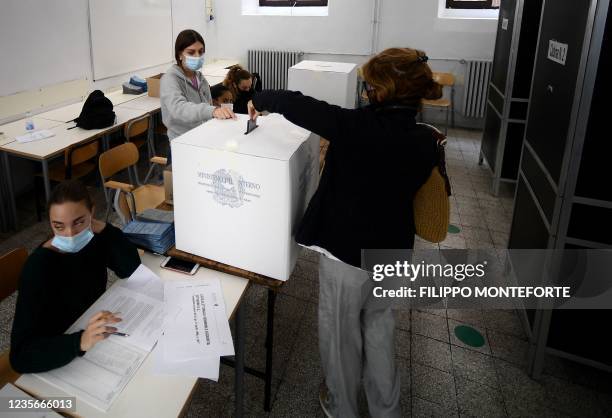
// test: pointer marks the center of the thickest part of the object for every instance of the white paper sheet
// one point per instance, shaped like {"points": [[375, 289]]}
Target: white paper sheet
{"points": [[146, 282], [35, 136], [201, 327], [100, 375], [196, 330], [205, 367], [141, 315]]}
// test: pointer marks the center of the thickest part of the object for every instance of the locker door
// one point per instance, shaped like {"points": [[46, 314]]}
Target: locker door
{"points": [[503, 43], [557, 65]]}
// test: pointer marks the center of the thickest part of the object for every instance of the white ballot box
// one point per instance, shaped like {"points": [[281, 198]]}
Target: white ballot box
{"points": [[238, 199], [333, 82]]}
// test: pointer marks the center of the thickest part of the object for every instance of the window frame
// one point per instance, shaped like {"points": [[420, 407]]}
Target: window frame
{"points": [[475, 4], [293, 3]]}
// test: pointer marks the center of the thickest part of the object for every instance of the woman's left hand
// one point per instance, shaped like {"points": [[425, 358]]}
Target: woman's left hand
{"points": [[253, 113]]}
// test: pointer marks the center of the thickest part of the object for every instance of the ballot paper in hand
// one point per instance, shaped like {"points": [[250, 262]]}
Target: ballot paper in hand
{"points": [[196, 332], [102, 373]]}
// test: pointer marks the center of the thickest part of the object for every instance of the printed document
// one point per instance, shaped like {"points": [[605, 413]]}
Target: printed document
{"points": [[102, 373], [196, 332]]}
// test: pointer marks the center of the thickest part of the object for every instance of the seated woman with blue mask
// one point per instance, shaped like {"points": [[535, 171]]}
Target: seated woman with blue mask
{"points": [[62, 278]]}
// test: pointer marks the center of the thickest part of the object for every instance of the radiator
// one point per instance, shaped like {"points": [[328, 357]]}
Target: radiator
{"points": [[477, 77], [273, 66]]}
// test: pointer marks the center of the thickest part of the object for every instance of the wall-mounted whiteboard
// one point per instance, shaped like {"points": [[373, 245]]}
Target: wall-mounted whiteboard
{"points": [[129, 35]]}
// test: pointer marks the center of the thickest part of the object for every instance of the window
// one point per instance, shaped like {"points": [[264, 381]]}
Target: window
{"points": [[291, 3], [472, 4]]}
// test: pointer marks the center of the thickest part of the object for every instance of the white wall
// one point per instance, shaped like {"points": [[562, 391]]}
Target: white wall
{"points": [[345, 30], [347, 34], [47, 42], [348, 30], [43, 43]]}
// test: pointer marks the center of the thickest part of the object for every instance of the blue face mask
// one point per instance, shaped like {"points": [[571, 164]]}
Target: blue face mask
{"points": [[193, 63], [75, 243]]}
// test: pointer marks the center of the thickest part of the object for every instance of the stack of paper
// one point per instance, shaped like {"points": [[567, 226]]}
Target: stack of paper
{"points": [[102, 373], [156, 215], [196, 330], [153, 236]]}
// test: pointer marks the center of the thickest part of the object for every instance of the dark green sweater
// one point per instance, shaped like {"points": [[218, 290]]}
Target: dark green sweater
{"points": [[54, 291]]}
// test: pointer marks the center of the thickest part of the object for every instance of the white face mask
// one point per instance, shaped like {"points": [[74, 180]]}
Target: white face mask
{"points": [[75, 243], [193, 63]]}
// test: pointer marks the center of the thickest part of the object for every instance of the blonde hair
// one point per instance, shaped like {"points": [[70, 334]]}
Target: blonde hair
{"points": [[401, 74]]}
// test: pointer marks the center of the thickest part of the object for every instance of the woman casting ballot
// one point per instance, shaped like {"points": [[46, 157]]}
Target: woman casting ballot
{"points": [[377, 159], [62, 278], [185, 96]]}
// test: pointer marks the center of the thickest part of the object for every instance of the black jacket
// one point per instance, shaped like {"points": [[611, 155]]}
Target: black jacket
{"points": [[54, 291], [376, 161], [241, 102]]}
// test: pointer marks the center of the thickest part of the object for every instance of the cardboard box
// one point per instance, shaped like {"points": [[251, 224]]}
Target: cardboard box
{"points": [[153, 85], [333, 82], [168, 185], [238, 199]]}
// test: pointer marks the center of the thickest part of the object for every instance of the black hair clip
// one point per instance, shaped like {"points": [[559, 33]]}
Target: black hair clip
{"points": [[423, 58]]}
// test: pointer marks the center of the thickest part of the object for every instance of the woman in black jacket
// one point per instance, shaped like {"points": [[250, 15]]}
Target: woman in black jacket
{"points": [[62, 278], [378, 157]]}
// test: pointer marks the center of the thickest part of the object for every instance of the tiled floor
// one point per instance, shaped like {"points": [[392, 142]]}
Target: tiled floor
{"points": [[440, 375]]}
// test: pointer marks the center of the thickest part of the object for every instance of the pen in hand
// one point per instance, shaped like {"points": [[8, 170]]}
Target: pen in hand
{"points": [[120, 334]]}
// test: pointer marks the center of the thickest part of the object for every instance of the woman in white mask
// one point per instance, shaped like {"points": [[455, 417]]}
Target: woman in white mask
{"points": [[62, 278], [186, 101]]}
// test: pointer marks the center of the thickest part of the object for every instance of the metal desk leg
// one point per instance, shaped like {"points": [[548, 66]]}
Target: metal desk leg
{"points": [[269, 350], [239, 357], [45, 170], [151, 137], [11, 192], [105, 142]]}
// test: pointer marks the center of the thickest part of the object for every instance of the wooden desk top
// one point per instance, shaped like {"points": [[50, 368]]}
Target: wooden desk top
{"points": [[149, 394], [144, 103], [64, 137], [17, 128]]}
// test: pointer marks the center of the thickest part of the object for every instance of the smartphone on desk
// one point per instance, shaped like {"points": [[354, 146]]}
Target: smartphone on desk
{"points": [[182, 266]]}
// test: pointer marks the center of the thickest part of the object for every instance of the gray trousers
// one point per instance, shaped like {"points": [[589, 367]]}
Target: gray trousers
{"points": [[355, 342]]}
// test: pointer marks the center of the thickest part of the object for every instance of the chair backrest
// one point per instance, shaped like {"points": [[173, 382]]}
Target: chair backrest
{"points": [[117, 159], [444, 79], [81, 153], [11, 265], [136, 127]]}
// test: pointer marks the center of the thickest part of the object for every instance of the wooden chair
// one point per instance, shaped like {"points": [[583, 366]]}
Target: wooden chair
{"points": [[11, 265], [137, 130], [79, 161], [446, 80], [129, 199]]}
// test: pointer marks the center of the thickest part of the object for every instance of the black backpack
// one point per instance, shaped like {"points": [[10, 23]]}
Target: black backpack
{"points": [[97, 112]]}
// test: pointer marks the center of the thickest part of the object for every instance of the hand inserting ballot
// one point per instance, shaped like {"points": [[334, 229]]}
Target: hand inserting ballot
{"points": [[253, 113]]}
